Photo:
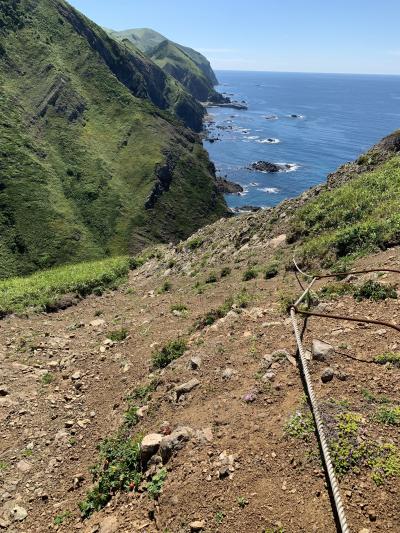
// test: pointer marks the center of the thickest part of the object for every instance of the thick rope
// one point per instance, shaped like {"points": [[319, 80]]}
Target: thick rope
{"points": [[318, 420]]}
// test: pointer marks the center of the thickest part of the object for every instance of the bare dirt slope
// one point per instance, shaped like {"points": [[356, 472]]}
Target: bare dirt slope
{"points": [[239, 468]]}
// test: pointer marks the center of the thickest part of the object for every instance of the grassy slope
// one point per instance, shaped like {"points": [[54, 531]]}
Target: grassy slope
{"points": [[80, 151], [356, 218], [188, 66]]}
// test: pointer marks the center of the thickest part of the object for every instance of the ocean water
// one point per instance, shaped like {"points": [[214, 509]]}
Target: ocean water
{"points": [[339, 117]]}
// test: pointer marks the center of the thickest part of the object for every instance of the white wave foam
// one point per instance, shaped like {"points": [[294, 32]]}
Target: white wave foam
{"points": [[269, 190], [295, 115], [253, 137], [271, 117], [270, 140], [291, 167]]}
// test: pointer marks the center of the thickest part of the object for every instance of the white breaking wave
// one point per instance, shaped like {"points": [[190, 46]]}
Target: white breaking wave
{"points": [[269, 190], [269, 141], [253, 137], [291, 167]]}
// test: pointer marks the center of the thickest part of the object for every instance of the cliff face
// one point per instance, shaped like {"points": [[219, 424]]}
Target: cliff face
{"points": [[87, 127], [186, 65]]}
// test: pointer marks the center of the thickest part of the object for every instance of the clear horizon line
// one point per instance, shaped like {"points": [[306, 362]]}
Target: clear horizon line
{"points": [[305, 72]]}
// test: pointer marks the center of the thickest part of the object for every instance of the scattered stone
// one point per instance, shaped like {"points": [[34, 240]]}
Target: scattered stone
{"points": [[24, 466], [198, 525], [142, 411], [227, 373], [268, 376], [76, 375], [249, 397], [195, 363], [18, 513], [109, 525], [174, 441], [4, 524], [184, 388], [372, 516], [327, 375], [4, 391], [98, 322], [321, 350], [150, 445]]}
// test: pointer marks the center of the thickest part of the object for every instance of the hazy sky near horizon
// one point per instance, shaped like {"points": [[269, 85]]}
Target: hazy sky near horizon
{"points": [[349, 36]]}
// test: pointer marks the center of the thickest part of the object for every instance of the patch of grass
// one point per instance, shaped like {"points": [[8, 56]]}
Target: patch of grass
{"points": [[118, 335], [300, 426], [360, 216], [211, 278], [171, 351], [44, 289], [225, 272], [27, 452], [195, 243], [144, 392], [118, 469], [388, 357], [372, 398], [385, 463], [240, 301], [3, 466], [271, 270], [47, 378], [131, 417], [165, 287], [389, 416], [156, 484], [242, 502], [61, 517], [346, 452], [335, 290], [373, 290], [286, 300], [219, 517], [249, 274], [179, 307]]}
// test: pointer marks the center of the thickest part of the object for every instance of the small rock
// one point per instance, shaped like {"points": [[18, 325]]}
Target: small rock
{"points": [[4, 524], [174, 441], [268, 376], [195, 363], [98, 322], [327, 375], [142, 411], [227, 373], [4, 391], [109, 525], [364, 530], [150, 444], [76, 375], [184, 388], [24, 466], [249, 397], [372, 516], [321, 350], [198, 525], [18, 513]]}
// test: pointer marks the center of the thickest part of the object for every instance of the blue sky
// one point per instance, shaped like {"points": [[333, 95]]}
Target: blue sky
{"points": [[353, 36]]}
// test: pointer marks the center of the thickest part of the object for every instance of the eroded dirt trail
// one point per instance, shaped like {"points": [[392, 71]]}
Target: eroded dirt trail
{"points": [[64, 388]]}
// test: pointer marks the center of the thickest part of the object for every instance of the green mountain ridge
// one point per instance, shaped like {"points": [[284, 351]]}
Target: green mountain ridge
{"points": [[186, 65], [93, 161]]}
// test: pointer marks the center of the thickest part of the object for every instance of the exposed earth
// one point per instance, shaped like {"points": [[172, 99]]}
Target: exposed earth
{"points": [[241, 463]]}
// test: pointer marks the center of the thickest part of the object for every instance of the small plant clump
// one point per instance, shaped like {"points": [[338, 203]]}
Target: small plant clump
{"points": [[226, 271], [47, 378], [389, 416], [156, 484], [143, 393], [181, 308], [249, 274], [195, 243], [389, 357], [242, 502], [335, 290], [165, 287], [61, 517], [118, 335], [212, 278], [373, 290], [300, 426], [171, 351], [118, 469], [271, 271], [240, 301]]}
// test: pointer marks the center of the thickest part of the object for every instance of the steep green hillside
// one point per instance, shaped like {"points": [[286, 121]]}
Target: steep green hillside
{"points": [[89, 165], [186, 65]]}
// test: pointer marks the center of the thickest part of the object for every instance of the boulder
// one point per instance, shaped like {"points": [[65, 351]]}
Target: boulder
{"points": [[321, 350]]}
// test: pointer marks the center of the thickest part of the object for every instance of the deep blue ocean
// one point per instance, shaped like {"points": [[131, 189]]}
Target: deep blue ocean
{"points": [[338, 117]]}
